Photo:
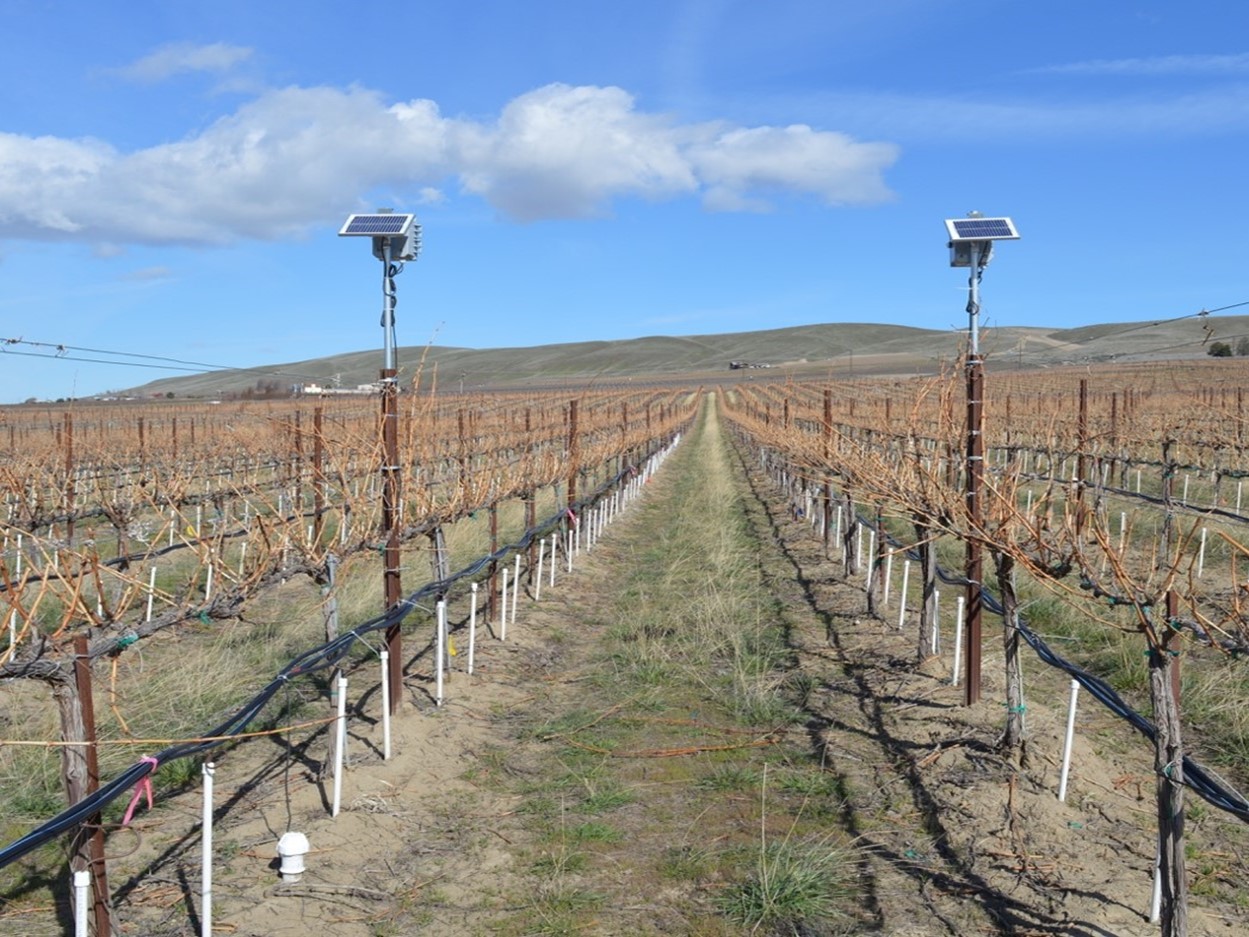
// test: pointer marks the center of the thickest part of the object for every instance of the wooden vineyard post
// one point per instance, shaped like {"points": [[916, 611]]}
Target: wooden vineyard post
{"points": [[318, 476], [493, 590], [828, 469], [390, 526], [1164, 687], [1082, 444], [572, 454], [975, 559], [80, 775], [69, 479]]}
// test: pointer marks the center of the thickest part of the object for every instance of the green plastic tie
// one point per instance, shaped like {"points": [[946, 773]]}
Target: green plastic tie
{"points": [[203, 616], [126, 640]]}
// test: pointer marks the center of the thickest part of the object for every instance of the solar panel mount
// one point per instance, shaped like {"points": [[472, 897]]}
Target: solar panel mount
{"points": [[378, 224]]}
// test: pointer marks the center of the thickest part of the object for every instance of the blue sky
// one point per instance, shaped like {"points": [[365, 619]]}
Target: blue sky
{"points": [[173, 175]]}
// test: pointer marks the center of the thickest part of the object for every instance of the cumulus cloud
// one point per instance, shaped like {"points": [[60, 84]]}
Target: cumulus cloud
{"points": [[177, 57], [293, 158]]}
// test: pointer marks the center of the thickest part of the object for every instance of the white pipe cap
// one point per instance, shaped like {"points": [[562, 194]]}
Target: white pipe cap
{"points": [[292, 848]]}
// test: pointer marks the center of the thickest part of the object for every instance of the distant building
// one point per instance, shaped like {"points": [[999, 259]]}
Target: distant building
{"points": [[739, 365], [320, 390]]}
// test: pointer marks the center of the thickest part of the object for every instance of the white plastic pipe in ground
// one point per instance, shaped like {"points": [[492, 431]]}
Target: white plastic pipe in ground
{"points": [[958, 640], [858, 546], [515, 587], [206, 870], [384, 655], [884, 602], [82, 901], [537, 583], [208, 584], [906, 576], [503, 615], [440, 652], [1201, 554], [151, 592], [871, 558], [935, 639], [1071, 733], [568, 551], [340, 729], [472, 627], [1155, 901]]}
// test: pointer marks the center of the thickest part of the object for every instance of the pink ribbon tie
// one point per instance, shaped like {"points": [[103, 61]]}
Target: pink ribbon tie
{"points": [[142, 789]]}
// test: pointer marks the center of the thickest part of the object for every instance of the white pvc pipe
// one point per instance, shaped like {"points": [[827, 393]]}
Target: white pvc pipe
{"points": [[340, 728], [1239, 487], [568, 551], [151, 592], [1071, 731], [884, 602], [871, 557], [472, 627], [503, 615], [242, 557], [906, 576], [515, 587], [440, 652], [82, 901], [958, 640], [208, 584], [206, 869], [858, 546], [1123, 530], [935, 644], [554, 544], [1155, 901], [537, 583], [384, 654], [1201, 554]]}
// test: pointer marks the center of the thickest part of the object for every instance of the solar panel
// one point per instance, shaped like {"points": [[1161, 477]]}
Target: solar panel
{"points": [[981, 229], [377, 225]]}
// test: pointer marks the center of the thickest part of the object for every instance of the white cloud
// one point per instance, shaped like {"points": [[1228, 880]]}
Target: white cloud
{"points": [[177, 57], [1158, 65], [298, 157]]}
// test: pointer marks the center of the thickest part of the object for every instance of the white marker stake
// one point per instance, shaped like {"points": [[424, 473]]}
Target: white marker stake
{"points": [[340, 727], [568, 551], [1071, 731], [1239, 486], [1123, 530], [515, 587], [1155, 902], [935, 644], [440, 647], [206, 869], [242, 557], [537, 583], [384, 654], [82, 901], [208, 584], [858, 546], [906, 576], [871, 557], [958, 640], [554, 543], [1201, 554], [151, 592], [503, 615], [472, 627], [884, 602]]}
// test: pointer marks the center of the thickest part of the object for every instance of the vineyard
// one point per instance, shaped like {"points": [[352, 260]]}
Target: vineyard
{"points": [[1114, 518]]}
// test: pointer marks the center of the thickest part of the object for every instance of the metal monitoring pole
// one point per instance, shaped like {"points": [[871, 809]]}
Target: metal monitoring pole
{"points": [[971, 246], [396, 238]]}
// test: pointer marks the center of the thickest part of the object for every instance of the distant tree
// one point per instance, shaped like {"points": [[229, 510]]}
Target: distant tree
{"points": [[1242, 346], [1220, 350]]}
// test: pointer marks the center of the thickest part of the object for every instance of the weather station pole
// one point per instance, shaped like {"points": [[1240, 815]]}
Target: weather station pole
{"points": [[396, 238], [971, 246]]}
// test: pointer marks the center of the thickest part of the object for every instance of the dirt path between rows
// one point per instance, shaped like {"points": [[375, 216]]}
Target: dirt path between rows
{"points": [[562, 790]]}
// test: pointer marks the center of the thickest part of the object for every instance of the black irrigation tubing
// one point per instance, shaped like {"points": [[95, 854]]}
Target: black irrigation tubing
{"points": [[316, 659], [1199, 779]]}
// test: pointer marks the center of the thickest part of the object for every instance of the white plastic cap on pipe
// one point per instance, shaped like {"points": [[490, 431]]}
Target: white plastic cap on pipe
{"points": [[292, 848]]}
